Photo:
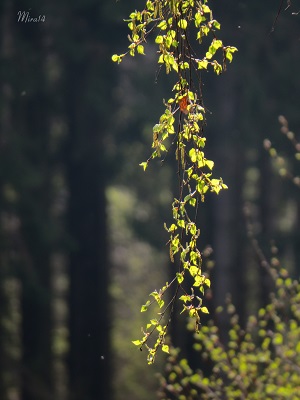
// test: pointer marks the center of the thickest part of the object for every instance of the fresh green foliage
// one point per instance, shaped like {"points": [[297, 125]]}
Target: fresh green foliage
{"points": [[179, 27], [282, 164], [260, 361]]}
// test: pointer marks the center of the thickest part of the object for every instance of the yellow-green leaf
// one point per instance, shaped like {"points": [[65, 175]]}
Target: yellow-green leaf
{"points": [[140, 49], [204, 310], [136, 342], [182, 23], [165, 348]]}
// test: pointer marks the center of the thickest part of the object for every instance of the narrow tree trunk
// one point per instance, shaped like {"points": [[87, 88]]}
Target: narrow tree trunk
{"points": [[89, 356]]}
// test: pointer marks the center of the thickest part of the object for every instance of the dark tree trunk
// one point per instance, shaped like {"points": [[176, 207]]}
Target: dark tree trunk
{"points": [[37, 232], [24, 190], [89, 357]]}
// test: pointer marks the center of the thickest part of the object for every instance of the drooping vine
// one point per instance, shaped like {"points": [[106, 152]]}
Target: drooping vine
{"points": [[185, 33]]}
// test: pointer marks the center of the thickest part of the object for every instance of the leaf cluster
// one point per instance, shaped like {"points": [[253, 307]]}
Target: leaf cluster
{"points": [[177, 25], [281, 163], [263, 358]]}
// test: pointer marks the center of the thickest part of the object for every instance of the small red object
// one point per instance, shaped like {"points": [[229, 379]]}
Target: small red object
{"points": [[183, 104]]}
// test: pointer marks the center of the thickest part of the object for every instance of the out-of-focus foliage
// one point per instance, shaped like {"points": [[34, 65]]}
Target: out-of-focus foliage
{"points": [[137, 266], [285, 165], [261, 360]]}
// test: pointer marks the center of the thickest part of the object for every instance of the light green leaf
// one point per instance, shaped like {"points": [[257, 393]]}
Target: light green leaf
{"points": [[144, 165], [216, 25], [202, 64], [140, 49], [204, 310], [179, 277], [181, 223], [207, 282], [185, 298], [145, 306], [205, 9], [182, 23], [209, 164], [193, 202], [159, 39], [165, 348], [193, 155], [163, 25], [136, 342], [194, 270], [277, 339], [198, 19]]}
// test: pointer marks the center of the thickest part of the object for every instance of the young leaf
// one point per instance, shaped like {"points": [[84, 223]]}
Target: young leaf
{"points": [[136, 342], [165, 348]]}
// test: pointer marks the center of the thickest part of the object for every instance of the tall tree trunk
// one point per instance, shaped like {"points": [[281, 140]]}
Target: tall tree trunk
{"points": [[32, 166], [89, 357]]}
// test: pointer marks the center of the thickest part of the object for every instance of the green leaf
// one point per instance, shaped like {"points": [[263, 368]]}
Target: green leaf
{"points": [[175, 65], [277, 339], [217, 44], [137, 342], [194, 270], [207, 282], [144, 165], [209, 164], [204, 310], [179, 277], [165, 348], [198, 280], [172, 228], [161, 59], [140, 49], [202, 64], [163, 25], [193, 313], [185, 65], [205, 9], [145, 306], [229, 56], [198, 19], [182, 23], [159, 39], [160, 302], [131, 26], [216, 24], [150, 5], [187, 198], [217, 67], [181, 223], [193, 155], [185, 298], [193, 202]]}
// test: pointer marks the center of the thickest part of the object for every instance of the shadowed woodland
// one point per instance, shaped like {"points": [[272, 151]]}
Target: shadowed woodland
{"points": [[81, 225]]}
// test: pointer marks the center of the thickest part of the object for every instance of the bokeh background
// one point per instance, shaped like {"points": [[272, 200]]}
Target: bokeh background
{"points": [[81, 225]]}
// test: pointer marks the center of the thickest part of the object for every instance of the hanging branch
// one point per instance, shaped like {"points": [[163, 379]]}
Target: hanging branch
{"points": [[179, 26]]}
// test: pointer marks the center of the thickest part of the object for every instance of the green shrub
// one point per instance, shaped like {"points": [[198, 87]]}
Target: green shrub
{"points": [[261, 361]]}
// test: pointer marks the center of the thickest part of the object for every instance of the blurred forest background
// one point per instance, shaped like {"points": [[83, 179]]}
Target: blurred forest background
{"points": [[81, 225]]}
